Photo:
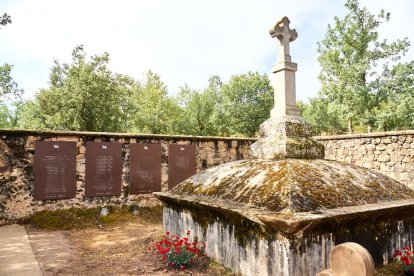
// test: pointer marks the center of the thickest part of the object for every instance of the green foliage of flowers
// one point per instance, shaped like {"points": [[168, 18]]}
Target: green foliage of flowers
{"points": [[178, 252], [405, 258]]}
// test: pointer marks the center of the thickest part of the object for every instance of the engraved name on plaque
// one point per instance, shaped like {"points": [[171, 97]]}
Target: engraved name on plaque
{"points": [[145, 168], [54, 170], [103, 169], [181, 163]]}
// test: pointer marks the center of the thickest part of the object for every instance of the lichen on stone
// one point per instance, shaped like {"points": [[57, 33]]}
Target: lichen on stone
{"points": [[294, 185]]}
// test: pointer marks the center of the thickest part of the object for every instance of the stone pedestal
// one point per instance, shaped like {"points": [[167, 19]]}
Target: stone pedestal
{"points": [[286, 137], [285, 89]]}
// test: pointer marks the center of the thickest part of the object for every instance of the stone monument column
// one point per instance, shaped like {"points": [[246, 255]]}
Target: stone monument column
{"points": [[285, 134], [284, 83]]}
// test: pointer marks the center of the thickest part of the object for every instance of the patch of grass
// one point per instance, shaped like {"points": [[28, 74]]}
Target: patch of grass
{"points": [[76, 218], [391, 269], [218, 269], [67, 219], [151, 215]]}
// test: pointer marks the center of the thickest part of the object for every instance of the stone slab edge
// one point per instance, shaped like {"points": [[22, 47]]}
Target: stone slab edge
{"points": [[291, 223]]}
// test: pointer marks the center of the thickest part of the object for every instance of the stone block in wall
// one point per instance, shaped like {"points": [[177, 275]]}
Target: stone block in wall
{"points": [[66, 138], [30, 143], [407, 159], [368, 164], [396, 157], [164, 177], [381, 147], [348, 159], [384, 157], [404, 176], [368, 157], [386, 141], [385, 167]]}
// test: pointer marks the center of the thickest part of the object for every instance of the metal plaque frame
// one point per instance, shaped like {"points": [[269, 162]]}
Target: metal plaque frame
{"points": [[54, 170], [145, 168], [103, 174], [182, 163]]}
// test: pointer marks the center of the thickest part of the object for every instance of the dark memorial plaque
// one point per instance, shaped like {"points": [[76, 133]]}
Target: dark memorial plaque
{"points": [[145, 168], [54, 170], [103, 169], [181, 163]]}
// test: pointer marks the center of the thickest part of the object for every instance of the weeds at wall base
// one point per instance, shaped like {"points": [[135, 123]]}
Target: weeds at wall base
{"points": [[77, 218]]}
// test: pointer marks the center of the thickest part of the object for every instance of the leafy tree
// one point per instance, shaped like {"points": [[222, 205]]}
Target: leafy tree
{"points": [[5, 19], [9, 91], [197, 110], [84, 95], [350, 56], [154, 111], [4, 116], [203, 111], [218, 117], [7, 85], [322, 116], [236, 107], [396, 109], [246, 102]]}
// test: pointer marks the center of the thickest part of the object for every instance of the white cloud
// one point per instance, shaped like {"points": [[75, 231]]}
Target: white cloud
{"points": [[185, 41]]}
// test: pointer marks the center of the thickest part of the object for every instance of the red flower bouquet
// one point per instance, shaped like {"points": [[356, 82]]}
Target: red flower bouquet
{"points": [[405, 257], [178, 252]]}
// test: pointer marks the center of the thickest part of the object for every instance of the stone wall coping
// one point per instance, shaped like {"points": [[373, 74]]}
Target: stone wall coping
{"points": [[364, 135], [7, 132]]}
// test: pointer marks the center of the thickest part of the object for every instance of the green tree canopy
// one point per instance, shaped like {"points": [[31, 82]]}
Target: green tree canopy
{"points": [[154, 111], [236, 107], [84, 95], [396, 109], [5, 19], [322, 115], [247, 100], [9, 91], [8, 87], [353, 59], [201, 110]]}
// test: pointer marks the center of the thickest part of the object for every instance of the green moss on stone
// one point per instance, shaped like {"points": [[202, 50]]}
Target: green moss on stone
{"points": [[298, 185], [244, 229]]}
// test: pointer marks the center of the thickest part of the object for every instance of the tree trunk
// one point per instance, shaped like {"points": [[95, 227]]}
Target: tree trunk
{"points": [[350, 126], [369, 127]]}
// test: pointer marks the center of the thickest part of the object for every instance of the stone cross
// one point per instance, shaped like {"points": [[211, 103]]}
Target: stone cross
{"points": [[284, 72], [285, 35], [285, 134]]}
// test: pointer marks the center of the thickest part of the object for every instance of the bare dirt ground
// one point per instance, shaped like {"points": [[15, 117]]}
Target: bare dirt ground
{"points": [[115, 249]]}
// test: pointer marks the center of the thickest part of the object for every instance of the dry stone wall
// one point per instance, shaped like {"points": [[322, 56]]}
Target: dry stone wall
{"points": [[17, 149], [391, 153]]}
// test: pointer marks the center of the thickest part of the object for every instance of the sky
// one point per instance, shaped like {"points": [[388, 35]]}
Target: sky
{"points": [[184, 41]]}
